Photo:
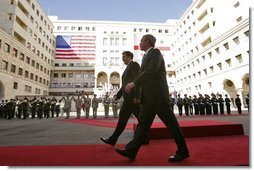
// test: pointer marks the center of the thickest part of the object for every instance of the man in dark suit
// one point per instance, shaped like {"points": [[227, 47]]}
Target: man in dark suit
{"points": [[131, 103], [154, 100]]}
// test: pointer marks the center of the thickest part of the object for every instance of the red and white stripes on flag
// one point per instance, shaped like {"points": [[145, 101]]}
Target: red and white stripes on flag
{"points": [[75, 47]]}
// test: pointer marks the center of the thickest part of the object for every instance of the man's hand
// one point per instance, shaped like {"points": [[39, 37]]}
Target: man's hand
{"points": [[129, 86]]}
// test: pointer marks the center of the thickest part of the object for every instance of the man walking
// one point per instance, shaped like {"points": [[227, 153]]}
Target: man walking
{"points": [[154, 100], [131, 101]]}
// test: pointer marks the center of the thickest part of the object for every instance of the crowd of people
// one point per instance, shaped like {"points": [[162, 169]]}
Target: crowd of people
{"points": [[51, 107]]}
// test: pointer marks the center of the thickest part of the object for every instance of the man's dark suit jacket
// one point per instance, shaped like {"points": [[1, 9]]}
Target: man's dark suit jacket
{"points": [[152, 80], [131, 72]]}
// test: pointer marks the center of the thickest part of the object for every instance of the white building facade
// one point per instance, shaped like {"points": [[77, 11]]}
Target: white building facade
{"points": [[94, 64], [211, 49], [27, 46]]}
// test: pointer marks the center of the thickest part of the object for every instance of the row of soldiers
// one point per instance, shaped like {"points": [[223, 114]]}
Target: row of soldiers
{"points": [[204, 104], [23, 108]]}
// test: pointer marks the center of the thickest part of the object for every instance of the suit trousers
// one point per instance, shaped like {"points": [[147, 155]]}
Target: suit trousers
{"points": [[126, 111], [146, 117]]}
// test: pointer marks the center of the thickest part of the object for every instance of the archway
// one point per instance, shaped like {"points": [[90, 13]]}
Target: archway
{"points": [[115, 79], [102, 78]]}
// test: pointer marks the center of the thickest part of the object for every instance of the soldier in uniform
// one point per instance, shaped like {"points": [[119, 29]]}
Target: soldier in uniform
{"points": [[227, 101], [25, 106], [191, 105], [78, 104], [221, 104], [33, 107], [196, 106], [186, 105], [67, 106], [106, 102], [208, 104], [179, 104], [47, 108], [238, 104], [95, 104], [87, 102], [214, 101], [52, 107], [2, 109], [201, 104], [40, 108], [114, 106]]}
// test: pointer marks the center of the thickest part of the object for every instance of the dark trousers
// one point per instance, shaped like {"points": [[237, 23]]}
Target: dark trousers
{"points": [[126, 111], [146, 118]]}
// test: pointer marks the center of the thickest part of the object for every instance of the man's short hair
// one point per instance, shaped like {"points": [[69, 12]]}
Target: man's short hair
{"points": [[151, 39], [128, 53]]}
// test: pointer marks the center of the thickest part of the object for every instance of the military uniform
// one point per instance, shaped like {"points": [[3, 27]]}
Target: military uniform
{"points": [[238, 104], [201, 104], [87, 102], [196, 106], [186, 104], [214, 101], [114, 106], [95, 104], [106, 102], [221, 104], [78, 104], [179, 104], [227, 101]]}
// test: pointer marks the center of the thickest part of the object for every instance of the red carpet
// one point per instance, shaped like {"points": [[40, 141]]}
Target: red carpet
{"points": [[210, 151], [191, 128]]}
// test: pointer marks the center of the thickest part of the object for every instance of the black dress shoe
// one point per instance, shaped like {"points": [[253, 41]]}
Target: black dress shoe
{"points": [[107, 141], [125, 154], [178, 157]]}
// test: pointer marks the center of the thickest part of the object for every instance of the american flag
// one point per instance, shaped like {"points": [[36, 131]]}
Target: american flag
{"points": [[75, 47]]}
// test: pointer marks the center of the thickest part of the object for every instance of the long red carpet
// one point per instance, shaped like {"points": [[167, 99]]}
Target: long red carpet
{"points": [[209, 151], [190, 128]]}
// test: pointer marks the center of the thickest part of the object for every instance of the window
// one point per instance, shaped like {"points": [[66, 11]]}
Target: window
{"points": [[27, 60], [13, 68], [239, 58], [26, 74], [7, 48], [63, 75], [20, 71], [226, 46], [104, 41], [236, 40], [228, 61], [219, 66], [15, 85], [5, 65], [124, 41], [15, 52]]}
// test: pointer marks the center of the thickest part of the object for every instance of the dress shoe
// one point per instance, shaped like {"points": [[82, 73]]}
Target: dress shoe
{"points": [[125, 154], [107, 141], [178, 157]]}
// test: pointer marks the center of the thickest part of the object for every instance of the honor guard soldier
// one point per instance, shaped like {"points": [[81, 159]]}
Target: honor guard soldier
{"points": [[227, 101], [33, 107], [208, 104], [106, 102], [95, 104], [179, 104], [40, 108], [25, 106], [114, 106], [214, 101], [87, 102], [238, 104], [191, 105], [195, 103], [201, 104], [67, 106], [58, 108], [2, 109], [221, 104], [78, 104], [247, 101], [186, 104]]}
